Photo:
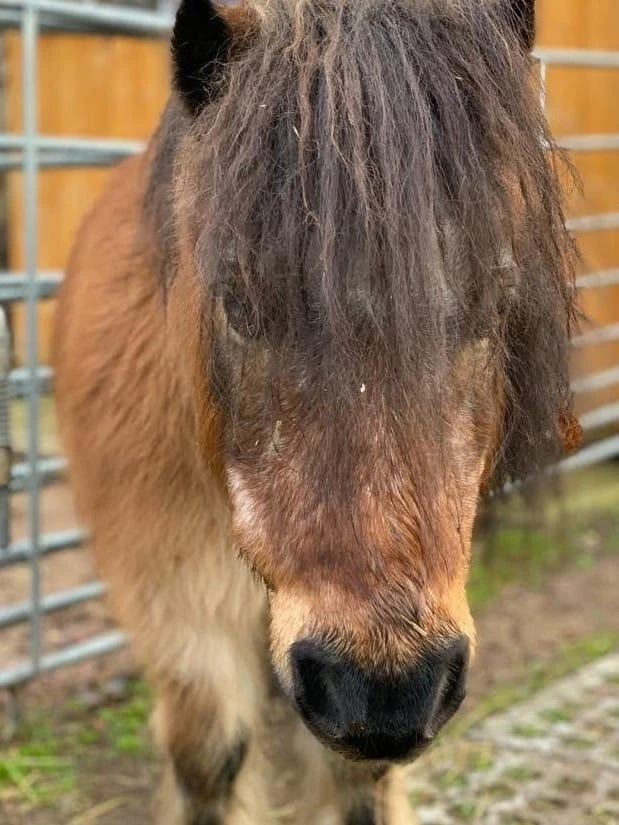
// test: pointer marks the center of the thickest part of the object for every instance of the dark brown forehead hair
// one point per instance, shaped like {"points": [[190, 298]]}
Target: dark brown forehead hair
{"points": [[357, 179]]}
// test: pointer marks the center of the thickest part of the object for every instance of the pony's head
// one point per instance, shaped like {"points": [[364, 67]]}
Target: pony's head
{"points": [[366, 191]]}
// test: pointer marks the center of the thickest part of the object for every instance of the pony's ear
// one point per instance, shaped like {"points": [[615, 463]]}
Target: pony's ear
{"points": [[521, 16], [205, 36]]}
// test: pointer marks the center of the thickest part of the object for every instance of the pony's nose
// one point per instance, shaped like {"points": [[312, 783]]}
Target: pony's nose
{"points": [[370, 717]]}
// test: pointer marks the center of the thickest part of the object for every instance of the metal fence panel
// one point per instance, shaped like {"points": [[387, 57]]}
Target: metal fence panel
{"points": [[31, 152]]}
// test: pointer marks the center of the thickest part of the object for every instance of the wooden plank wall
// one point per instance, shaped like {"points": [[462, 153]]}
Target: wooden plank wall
{"points": [[115, 87], [584, 101], [89, 86]]}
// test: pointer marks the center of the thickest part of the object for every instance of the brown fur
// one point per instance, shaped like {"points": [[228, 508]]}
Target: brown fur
{"points": [[289, 336]]}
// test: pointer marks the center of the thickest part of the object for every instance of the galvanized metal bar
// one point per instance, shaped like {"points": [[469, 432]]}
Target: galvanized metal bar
{"points": [[50, 22], [590, 143], [118, 18], [597, 381], [29, 36], [47, 471], [17, 613], [602, 335], [5, 430], [607, 277], [593, 454], [67, 151], [59, 143], [14, 285], [9, 18], [19, 381], [602, 417], [60, 160], [594, 223], [50, 543], [73, 654], [588, 58]]}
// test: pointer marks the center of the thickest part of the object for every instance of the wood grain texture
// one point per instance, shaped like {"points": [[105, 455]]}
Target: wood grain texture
{"points": [[115, 87], [89, 86], [584, 101]]}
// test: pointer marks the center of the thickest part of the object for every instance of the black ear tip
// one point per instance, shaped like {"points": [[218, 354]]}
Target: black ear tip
{"points": [[201, 42]]}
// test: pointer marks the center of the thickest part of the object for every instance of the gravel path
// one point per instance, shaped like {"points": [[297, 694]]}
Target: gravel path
{"points": [[552, 760]]}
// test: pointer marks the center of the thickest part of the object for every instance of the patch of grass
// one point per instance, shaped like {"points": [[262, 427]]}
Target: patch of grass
{"points": [[546, 805], [521, 773], [36, 769], [46, 760], [588, 492], [574, 525], [517, 554], [572, 784], [527, 731], [451, 779], [481, 760], [465, 811], [498, 790], [124, 725], [604, 815], [582, 743], [87, 736], [554, 715]]}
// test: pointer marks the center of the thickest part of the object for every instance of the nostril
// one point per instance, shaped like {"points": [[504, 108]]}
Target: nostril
{"points": [[316, 684], [455, 660]]}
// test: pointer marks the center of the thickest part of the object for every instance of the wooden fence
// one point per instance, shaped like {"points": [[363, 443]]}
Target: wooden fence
{"points": [[102, 86], [89, 86]]}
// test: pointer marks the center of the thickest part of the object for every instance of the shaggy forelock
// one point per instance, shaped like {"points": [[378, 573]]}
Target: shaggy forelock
{"points": [[358, 186]]}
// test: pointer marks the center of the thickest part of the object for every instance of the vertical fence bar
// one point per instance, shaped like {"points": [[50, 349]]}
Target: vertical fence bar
{"points": [[29, 31], [543, 74], [5, 431]]}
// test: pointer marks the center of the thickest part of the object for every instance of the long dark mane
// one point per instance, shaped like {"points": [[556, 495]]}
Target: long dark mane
{"points": [[364, 175]]}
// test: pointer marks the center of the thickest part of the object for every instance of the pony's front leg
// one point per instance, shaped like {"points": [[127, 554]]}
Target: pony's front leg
{"points": [[211, 736], [372, 797], [331, 790]]}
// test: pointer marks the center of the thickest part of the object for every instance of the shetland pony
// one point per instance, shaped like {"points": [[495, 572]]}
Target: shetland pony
{"points": [[328, 305]]}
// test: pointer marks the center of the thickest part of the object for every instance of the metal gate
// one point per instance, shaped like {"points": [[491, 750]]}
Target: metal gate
{"points": [[32, 151]]}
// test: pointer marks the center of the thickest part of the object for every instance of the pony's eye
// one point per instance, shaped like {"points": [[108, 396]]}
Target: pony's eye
{"points": [[242, 317]]}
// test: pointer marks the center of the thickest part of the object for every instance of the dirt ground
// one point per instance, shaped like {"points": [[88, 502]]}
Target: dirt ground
{"points": [[520, 627], [524, 626]]}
